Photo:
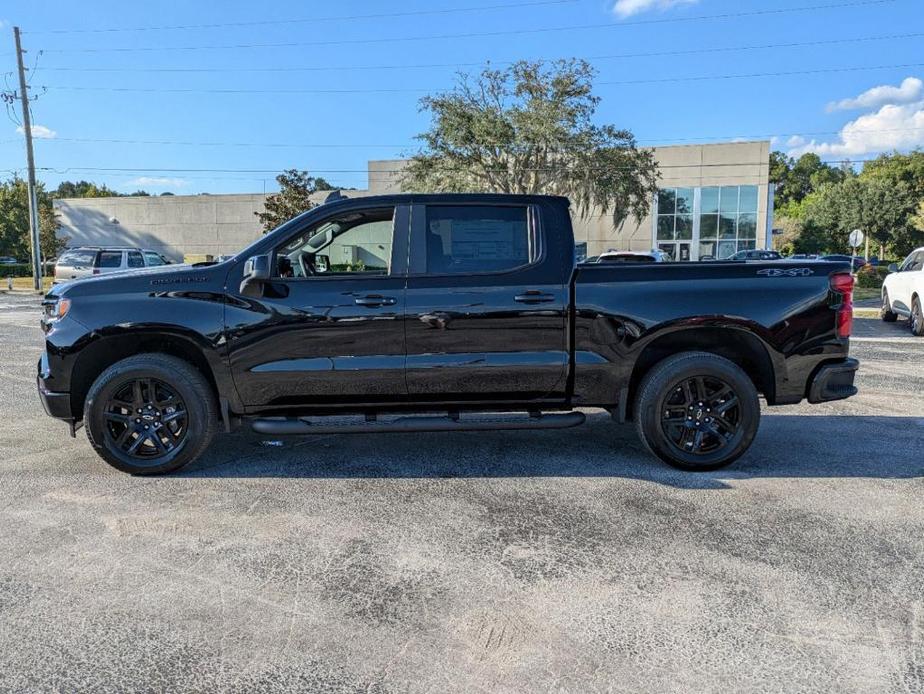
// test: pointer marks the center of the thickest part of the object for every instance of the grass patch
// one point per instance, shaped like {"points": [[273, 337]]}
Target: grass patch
{"points": [[861, 293], [25, 283]]}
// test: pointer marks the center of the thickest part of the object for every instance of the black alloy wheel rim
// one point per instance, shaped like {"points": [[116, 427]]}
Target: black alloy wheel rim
{"points": [[701, 415], [146, 419]]}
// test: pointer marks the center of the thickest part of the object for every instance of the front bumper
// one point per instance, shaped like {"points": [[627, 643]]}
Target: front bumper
{"points": [[56, 404], [834, 381]]}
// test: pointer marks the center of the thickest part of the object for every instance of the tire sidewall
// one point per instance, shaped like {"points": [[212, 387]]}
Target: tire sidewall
{"points": [[110, 382], [917, 319], [665, 380]]}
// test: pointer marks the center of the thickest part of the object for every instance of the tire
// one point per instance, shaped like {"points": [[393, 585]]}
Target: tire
{"points": [[917, 317], [685, 434], [176, 408], [886, 312]]}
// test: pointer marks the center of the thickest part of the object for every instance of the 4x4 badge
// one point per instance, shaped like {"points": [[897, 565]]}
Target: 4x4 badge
{"points": [[789, 272]]}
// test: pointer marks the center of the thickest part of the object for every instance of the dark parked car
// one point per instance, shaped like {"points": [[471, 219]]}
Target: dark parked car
{"points": [[394, 308], [758, 254]]}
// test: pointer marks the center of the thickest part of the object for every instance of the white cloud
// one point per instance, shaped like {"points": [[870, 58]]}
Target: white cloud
{"points": [[908, 91], [158, 181], [627, 8], [39, 132], [893, 126]]}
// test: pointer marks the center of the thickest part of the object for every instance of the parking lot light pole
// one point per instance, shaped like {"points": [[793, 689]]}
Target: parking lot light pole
{"points": [[30, 163]]}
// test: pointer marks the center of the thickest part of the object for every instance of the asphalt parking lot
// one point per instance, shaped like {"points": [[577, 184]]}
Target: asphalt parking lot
{"points": [[471, 562]]}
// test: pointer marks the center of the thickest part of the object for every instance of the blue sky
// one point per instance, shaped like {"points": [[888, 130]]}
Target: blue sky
{"points": [[321, 114]]}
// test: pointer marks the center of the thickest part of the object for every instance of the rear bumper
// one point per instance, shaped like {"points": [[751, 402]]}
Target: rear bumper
{"points": [[834, 381]]}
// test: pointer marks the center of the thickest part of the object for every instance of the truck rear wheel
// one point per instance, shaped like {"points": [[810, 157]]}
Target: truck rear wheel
{"points": [[697, 411], [150, 414]]}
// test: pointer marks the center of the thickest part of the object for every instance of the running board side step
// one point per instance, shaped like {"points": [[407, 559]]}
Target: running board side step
{"points": [[281, 426]]}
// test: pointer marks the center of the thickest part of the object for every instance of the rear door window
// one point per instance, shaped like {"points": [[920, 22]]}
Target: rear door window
{"points": [[467, 239], [135, 259], [110, 259]]}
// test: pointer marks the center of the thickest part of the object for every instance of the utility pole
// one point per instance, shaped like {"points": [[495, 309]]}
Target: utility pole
{"points": [[30, 162]]}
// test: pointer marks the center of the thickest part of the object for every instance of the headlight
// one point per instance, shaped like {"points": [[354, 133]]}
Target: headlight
{"points": [[56, 309]]}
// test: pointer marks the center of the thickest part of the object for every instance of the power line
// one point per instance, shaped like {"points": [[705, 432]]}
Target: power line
{"points": [[468, 35], [366, 68], [329, 145], [64, 170], [398, 90], [310, 20]]}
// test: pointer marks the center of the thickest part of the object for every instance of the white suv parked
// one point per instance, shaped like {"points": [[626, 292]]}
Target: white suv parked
{"points": [[903, 292], [77, 263]]}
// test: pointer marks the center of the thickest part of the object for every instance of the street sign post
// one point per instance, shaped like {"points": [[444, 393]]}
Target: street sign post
{"points": [[855, 239]]}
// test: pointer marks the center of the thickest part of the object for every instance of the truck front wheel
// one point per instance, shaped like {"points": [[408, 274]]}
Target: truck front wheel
{"points": [[697, 411], [150, 414]]}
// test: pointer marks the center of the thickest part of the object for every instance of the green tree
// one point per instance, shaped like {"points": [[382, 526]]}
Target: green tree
{"points": [[529, 128], [293, 198], [898, 168], [881, 209], [795, 179], [83, 189], [14, 221]]}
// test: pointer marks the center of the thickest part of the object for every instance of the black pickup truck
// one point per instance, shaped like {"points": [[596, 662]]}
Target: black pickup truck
{"points": [[421, 313]]}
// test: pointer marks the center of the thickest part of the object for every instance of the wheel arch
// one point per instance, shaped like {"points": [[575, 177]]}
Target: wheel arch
{"points": [[99, 355], [739, 346]]}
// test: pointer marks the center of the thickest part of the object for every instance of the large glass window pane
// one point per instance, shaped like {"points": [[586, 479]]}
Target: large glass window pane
{"points": [[706, 250], [684, 226], [667, 201], [746, 245], [747, 226], [729, 200], [726, 249], [727, 226], [709, 200], [708, 226], [684, 200], [665, 227], [747, 202], [468, 239]]}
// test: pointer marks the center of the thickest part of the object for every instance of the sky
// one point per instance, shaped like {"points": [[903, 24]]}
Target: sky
{"points": [[219, 96]]}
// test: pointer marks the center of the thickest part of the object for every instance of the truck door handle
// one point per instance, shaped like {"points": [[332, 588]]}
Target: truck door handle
{"points": [[375, 300], [534, 297]]}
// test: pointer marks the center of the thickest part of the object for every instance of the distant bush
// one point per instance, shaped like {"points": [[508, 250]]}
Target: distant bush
{"points": [[869, 277], [24, 270]]}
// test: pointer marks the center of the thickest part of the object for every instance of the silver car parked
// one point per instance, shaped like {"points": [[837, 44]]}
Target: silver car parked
{"points": [[77, 263]]}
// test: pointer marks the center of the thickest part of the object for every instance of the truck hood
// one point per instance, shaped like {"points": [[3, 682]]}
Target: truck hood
{"points": [[140, 279]]}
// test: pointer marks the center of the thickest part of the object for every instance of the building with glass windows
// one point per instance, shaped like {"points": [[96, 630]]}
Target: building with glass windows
{"points": [[714, 200]]}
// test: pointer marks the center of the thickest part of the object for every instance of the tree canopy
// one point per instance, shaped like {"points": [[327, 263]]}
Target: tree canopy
{"points": [[293, 198], [529, 129], [86, 189], [14, 221], [819, 205]]}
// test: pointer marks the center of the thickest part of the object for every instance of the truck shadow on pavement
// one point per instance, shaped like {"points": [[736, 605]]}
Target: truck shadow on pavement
{"points": [[787, 446]]}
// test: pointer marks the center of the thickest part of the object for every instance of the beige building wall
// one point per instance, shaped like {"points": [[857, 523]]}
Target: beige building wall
{"points": [[174, 225]]}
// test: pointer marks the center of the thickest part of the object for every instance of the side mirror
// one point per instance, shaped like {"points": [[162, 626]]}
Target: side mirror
{"points": [[322, 262], [257, 270], [893, 267]]}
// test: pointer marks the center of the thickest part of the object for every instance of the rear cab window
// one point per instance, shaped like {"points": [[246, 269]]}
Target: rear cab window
{"points": [[472, 239]]}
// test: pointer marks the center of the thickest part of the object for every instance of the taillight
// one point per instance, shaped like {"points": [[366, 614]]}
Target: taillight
{"points": [[842, 284]]}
